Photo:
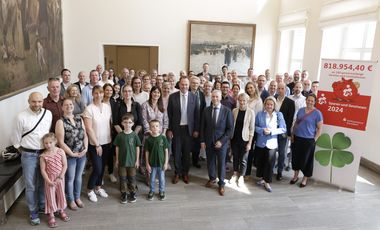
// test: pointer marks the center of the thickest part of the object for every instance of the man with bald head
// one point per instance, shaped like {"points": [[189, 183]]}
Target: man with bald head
{"points": [[296, 78], [81, 83], [31, 125], [287, 107]]}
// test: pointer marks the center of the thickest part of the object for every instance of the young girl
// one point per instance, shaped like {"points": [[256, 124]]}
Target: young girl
{"points": [[53, 167]]}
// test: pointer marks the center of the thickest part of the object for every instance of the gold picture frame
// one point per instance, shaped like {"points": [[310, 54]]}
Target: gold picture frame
{"points": [[219, 44]]}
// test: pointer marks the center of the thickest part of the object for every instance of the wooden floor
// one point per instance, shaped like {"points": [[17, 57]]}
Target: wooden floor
{"points": [[192, 206]]}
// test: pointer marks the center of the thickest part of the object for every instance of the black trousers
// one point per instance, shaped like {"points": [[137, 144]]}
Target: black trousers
{"points": [[240, 156], [182, 144], [265, 159], [303, 155]]}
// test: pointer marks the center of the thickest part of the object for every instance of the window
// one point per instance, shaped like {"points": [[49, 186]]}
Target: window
{"points": [[291, 50], [349, 41]]}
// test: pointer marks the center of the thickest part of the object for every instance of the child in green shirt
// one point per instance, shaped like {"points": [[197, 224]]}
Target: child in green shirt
{"points": [[127, 159], [156, 153]]}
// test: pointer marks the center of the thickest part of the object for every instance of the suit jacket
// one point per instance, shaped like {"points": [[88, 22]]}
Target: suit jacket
{"points": [[260, 124], [249, 123], [201, 102], [264, 94], [174, 113], [288, 109], [78, 84], [222, 131]]}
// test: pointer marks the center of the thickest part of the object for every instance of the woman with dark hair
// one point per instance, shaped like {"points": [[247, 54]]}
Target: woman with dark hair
{"points": [[139, 95], [235, 91], [306, 130], [153, 109], [108, 93], [97, 120], [217, 85]]}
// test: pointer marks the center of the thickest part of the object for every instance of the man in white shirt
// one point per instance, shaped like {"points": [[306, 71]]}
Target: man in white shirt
{"points": [[30, 146], [298, 98]]}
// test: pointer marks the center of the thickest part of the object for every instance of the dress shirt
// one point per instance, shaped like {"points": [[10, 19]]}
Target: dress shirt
{"points": [[25, 121], [86, 96], [299, 101], [184, 107], [272, 125]]}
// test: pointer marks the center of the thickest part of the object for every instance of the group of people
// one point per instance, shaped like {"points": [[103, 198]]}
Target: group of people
{"points": [[137, 121]]}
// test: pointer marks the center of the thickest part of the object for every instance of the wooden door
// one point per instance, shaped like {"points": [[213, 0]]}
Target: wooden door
{"points": [[132, 57]]}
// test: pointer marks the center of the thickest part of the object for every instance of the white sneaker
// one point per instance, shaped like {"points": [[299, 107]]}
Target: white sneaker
{"points": [[101, 192], [92, 196], [112, 178], [240, 181]]}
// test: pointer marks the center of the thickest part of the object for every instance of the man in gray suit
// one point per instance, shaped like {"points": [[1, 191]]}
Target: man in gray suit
{"points": [[216, 131], [183, 126]]}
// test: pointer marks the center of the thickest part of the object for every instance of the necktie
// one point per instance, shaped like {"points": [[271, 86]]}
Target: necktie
{"points": [[183, 109], [214, 116]]}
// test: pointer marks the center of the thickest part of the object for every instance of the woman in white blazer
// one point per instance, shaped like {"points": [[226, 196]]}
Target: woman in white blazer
{"points": [[241, 141]]}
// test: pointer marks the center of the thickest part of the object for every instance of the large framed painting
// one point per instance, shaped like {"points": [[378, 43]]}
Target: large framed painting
{"points": [[31, 44], [218, 44]]}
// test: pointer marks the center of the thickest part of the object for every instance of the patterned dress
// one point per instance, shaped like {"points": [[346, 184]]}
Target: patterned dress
{"points": [[54, 195]]}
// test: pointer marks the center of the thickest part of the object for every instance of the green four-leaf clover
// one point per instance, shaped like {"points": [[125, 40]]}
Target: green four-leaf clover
{"points": [[334, 151]]}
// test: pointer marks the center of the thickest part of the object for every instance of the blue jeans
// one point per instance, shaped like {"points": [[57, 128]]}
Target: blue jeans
{"points": [[74, 172], [161, 178], [98, 165], [34, 183], [214, 155]]}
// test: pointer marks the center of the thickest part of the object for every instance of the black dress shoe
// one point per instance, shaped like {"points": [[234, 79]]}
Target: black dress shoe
{"points": [[293, 181], [303, 185], [279, 176]]}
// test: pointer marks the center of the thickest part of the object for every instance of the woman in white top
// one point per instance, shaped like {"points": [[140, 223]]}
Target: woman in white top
{"points": [[254, 102], [97, 120], [139, 96]]}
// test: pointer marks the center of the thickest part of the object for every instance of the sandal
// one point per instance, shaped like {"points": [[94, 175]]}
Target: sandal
{"points": [[51, 222], [63, 216]]}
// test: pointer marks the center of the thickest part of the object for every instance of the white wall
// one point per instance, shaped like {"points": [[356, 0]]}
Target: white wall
{"points": [[311, 61], [9, 108], [88, 24]]}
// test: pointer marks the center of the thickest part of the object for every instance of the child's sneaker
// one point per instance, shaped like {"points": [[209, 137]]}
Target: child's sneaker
{"points": [[162, 196], [132, 197], [101, 192], [150, 195], [123, 198], [92, 196], [34, 219]]}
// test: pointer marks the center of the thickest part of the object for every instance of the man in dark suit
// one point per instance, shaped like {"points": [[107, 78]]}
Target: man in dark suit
{"points": [[81, 83], [261, 81], [194, 88], [183, 126], [205, 73], [216, 131], [287, 108]]}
